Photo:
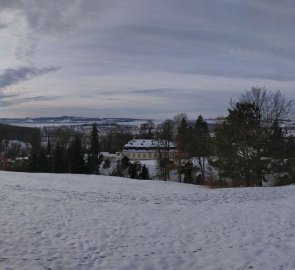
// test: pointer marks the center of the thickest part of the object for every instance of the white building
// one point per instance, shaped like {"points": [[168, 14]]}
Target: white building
{"points": [[148, 149]]}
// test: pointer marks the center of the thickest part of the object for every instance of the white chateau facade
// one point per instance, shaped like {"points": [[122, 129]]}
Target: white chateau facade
{"points": [[141, 149]]}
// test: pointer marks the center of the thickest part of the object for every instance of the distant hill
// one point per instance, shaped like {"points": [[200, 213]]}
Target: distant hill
{"points": [[76, 120], [68, 120]]}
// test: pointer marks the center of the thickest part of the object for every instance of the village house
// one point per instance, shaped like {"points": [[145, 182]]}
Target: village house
{"points": [[141, 149]]}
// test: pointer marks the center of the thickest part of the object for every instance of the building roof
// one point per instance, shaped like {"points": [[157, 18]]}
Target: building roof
{"points": [[142, 143]]}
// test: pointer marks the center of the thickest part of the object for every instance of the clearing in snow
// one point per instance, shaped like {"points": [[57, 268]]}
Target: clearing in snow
{"points": [[98, 222]]}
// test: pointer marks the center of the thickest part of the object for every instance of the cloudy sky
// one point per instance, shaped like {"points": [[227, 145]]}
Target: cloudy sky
{"points": [[141, 58]]}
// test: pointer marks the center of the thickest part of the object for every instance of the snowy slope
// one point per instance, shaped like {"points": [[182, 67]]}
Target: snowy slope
{"points": [[96, 222]]}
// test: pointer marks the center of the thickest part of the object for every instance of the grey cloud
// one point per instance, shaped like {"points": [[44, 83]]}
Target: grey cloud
{"points": [[7, 96], [243, 39], [178, 42], [42, 18], [98, 95], [168, 93], [5, 100], [13, 76], [234, 39], [110, 93], [186, 29], [45, 16], [181, 93], [165, 91], [38, 98], [155, 91], [280, 77], [112, 99]]}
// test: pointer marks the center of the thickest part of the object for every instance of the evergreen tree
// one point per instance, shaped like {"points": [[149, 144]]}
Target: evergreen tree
{"points": [[276, 143], [144, 174], [94, 140], [185, 144], [188, 170], [238, 150], [76, 156], [38, 161], [201, 144], [106, 164], [48, 149], [184, 138], [118, 170], [250, 142], [49, 156], [33, 161], [290, 147], [125, 162], [93, 161], [43, 164], [134, 170], [177, 119], [59, 159]]}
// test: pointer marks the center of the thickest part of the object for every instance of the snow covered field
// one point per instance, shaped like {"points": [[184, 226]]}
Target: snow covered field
{"points": [[96, 222]]}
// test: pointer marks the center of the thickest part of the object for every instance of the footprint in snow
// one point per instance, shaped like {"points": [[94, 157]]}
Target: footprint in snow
{"points": [[58, 235]]}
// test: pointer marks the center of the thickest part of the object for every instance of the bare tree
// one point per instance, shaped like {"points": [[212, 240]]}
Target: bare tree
{"points": [[165, 136], [177, 119], [273, 106], [146, 130]]}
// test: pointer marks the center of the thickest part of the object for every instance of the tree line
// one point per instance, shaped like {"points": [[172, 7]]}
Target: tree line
{"points": [[245, 148]]}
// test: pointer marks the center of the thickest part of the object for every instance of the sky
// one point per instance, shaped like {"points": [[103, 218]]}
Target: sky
{"points": [[141, 58]]}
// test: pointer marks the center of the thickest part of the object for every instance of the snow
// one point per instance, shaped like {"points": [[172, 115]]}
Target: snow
{"points": [[98, 222], [152, 166], [16, 143], [146, 143], [290, 133]]}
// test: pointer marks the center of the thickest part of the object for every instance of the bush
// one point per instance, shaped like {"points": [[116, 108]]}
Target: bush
{"points": [[284, 180], [217, 183], [106, 164]]}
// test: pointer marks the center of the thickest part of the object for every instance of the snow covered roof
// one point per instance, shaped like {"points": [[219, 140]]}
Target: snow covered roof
{"points": [[142, 143]]}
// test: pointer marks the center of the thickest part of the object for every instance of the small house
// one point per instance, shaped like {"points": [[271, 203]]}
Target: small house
{"points": [[141, 149]]}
